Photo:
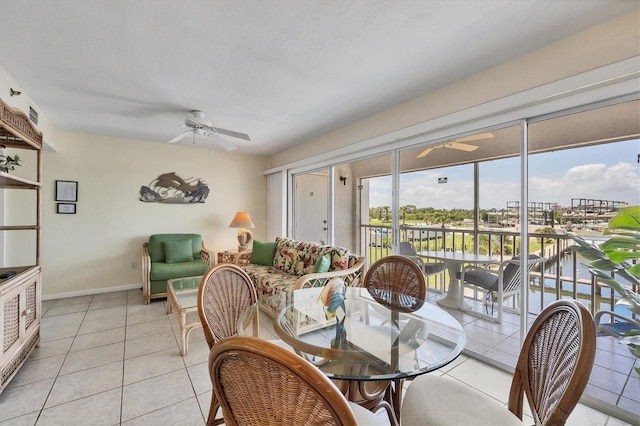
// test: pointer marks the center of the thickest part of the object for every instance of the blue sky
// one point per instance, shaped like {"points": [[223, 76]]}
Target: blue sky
{"points": [[603, 172]]}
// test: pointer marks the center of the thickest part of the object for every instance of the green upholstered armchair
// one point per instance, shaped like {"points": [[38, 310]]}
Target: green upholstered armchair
{"points": [[169, 256]]}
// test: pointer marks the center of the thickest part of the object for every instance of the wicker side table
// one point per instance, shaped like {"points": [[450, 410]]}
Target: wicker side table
{"points": [[234, 256]]}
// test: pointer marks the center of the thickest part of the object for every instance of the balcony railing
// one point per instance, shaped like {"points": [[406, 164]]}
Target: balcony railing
{"points": [[562, 275]]}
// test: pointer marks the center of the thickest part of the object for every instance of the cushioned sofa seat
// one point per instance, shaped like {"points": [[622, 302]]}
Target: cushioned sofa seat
{"points": [[270, 281], [297, 264], [162, 271], [169, 256]]}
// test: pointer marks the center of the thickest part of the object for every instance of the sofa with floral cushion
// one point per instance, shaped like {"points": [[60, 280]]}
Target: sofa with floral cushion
{"points": [[286, 265]]}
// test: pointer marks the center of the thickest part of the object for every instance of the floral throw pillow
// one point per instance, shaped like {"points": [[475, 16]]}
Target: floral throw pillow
{"points": [[285, 256], [339, 257], [300, 257]]}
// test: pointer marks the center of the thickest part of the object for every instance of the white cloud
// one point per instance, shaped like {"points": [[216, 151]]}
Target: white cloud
{"points": [[617, 182], [496, 194]]}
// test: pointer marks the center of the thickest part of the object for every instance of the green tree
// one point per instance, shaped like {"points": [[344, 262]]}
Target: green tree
{"points": [[404, 210], [386, 213], [547, 231]]}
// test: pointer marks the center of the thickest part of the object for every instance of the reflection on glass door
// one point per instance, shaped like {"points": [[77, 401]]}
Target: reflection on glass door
{"points": [[583, 168], [372, 207]]}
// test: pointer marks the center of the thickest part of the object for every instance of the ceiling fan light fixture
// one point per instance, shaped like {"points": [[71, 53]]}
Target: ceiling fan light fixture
{"points": [[198, 117]]}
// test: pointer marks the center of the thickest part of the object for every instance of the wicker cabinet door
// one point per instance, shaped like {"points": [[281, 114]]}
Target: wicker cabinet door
{"points": [[11, 321], [20, 327], [30, 314]]}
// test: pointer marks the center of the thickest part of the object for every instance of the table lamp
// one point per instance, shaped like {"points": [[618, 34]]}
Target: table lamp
{"points": [[242, 220]]}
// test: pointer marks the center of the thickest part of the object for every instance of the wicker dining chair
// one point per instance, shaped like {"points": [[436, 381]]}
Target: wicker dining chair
{"points": [[260, 383], [397, 282], [552, 371], [225, 293]]}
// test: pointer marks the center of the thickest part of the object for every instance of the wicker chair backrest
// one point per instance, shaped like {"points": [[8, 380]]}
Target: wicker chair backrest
{"points": [[396, 282], [555, 362], [260, 383], [225, 292]]}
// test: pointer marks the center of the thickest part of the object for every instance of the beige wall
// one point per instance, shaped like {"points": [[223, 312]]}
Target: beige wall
{"points": [[611, 42], [93, 249]]}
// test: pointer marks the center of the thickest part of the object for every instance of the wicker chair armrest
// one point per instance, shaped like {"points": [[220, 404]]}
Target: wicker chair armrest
{"points": [[310, 280], [146, 258], [145, 265], [207, 255]]}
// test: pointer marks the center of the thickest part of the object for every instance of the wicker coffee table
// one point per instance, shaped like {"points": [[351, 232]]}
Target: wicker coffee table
{"points": [[182, 294]]}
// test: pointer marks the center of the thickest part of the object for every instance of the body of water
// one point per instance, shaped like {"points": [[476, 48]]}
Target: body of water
{"points": [[583, 289]]}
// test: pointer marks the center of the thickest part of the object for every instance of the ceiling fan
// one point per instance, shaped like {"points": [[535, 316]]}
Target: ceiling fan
{"points": [[198, 123], [458, 144]]}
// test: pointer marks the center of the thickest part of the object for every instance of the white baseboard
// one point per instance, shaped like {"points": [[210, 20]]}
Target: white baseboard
{"points": [[90, 292]]}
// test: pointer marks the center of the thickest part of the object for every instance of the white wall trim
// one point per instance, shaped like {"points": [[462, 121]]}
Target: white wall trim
{"points": [[92, 291]]}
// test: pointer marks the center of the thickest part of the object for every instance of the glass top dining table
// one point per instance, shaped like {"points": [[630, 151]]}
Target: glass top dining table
{"points": [[368, 340]]}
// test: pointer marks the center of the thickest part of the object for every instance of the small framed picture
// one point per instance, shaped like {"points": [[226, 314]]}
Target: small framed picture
{"points": [[66, 190], [66, 208]]}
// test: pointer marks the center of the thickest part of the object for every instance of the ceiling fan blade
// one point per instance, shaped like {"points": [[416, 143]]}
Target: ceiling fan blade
{"points": [[461, 146], [486, 135], [456, 143], [180, 136], [228, 146], [427, 151], [198, 123], [232, 133]]}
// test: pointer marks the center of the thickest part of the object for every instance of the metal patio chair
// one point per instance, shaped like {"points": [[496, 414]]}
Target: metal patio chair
{"points": [[497, 284]]}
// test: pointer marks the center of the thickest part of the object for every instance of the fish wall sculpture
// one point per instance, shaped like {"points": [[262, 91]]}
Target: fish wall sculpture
{"points": [[172, 189]]}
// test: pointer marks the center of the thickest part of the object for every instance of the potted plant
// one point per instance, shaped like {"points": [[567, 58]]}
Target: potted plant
{"points": [[614, 259], [8, 162]]}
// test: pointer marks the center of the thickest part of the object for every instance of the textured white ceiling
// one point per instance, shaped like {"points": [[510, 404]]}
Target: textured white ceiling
{"points": [[281, 71]]}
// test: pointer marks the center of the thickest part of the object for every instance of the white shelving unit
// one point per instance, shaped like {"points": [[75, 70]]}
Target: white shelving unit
{"points": [[20, 294]]}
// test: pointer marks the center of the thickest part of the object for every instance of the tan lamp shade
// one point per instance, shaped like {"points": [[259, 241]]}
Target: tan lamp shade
{"points": [[242, 220]]}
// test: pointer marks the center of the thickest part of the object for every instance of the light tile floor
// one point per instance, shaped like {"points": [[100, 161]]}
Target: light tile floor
{"points": [[108, 359], [613, 383]]}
